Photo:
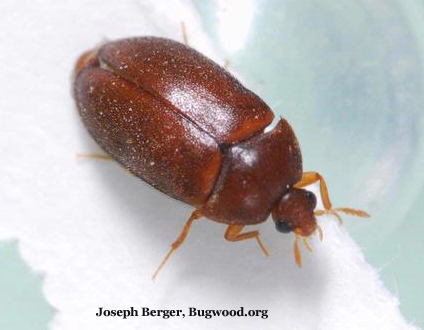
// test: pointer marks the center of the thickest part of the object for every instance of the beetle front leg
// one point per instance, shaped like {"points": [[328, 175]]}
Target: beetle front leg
{"points": [[233, 234], [309, 178]]}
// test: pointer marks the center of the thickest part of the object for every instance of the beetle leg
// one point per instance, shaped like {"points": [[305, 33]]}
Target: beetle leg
{"points": [[309, 178], [96, 156], [195, 215], [233, 234], [184, 33], [312, 177]]}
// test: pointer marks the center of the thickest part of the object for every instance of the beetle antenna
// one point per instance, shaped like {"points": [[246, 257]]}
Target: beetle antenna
{"points": [[358, 213]]}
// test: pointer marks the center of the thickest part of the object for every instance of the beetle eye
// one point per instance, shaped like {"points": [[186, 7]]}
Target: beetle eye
{"points": [[283, 227], [312, 198]]}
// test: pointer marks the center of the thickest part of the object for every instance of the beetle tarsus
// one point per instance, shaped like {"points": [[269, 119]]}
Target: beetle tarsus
{"points": [[262, 246]]}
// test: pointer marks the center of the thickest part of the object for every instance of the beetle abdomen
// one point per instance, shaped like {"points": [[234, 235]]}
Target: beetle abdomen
{"points": [[147, 136], [194, 85]]}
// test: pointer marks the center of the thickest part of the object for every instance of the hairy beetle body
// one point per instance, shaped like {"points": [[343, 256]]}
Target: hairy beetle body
{"points": [[187, 127]]}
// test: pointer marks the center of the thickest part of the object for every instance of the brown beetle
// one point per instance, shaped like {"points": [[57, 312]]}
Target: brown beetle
{"points": [[187, 127]]}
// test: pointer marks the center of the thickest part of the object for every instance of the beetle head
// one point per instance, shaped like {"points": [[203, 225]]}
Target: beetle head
{"points": [[295, 212]]}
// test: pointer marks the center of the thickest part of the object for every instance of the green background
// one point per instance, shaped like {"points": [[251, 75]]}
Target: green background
{"points": [[22, 302]]}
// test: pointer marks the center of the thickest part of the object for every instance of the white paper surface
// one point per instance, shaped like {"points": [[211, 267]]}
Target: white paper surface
{"points": [[99, 233]]}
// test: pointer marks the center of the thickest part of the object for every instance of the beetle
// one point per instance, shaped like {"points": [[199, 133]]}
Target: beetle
{"points": [[189, 128]]}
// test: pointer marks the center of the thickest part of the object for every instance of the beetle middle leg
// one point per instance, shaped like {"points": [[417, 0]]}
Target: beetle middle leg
{"points": [[312, 177], [233, 235], [195, 215]]}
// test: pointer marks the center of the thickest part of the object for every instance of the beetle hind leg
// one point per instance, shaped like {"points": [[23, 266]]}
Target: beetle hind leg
{"points": [[95, 156], [233, 234], [195, 215]]}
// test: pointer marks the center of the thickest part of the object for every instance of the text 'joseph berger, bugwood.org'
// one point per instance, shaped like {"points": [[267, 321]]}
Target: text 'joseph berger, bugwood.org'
{"points": [[191, 311]]}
